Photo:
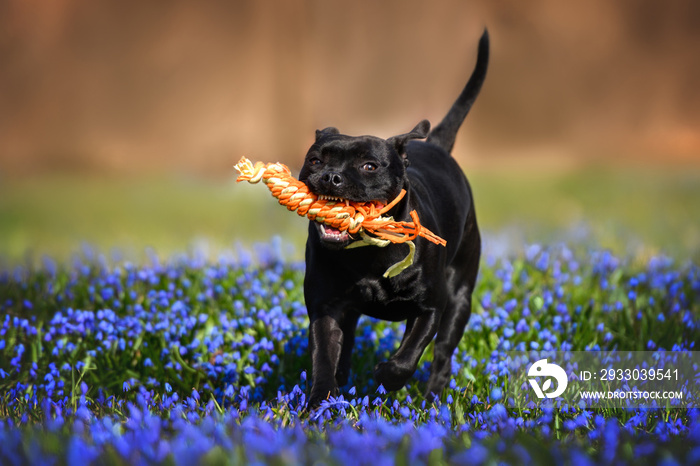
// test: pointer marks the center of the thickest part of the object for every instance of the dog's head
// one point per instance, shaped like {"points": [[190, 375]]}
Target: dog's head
{"points": [[356, 168]]}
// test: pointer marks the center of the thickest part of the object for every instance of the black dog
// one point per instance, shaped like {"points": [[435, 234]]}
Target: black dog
{"points": [[434, 294]]}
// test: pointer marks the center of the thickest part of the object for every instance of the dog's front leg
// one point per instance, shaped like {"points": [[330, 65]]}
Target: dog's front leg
{"points": [[394, 373], [325, 345]]}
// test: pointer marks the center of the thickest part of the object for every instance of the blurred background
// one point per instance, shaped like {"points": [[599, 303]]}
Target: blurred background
{"points": [[120, 121]]}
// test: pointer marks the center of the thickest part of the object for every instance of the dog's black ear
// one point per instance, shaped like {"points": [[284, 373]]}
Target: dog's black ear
{"points": [[323, 132], [419, 132]]}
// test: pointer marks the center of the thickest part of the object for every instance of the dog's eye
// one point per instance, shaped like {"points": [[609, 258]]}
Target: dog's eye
{"points": [[369, 167], [315, 161]]}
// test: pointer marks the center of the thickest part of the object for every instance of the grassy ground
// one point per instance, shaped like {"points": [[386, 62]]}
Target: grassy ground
{"points": [[630, 211], [204, 362], [194, 362]]}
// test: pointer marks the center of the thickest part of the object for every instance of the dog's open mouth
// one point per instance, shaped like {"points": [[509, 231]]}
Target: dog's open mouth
{"points": [[332, 235]]}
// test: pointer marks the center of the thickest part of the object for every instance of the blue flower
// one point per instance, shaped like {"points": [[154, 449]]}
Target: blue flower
{"points": [[234, 332], [522, 326]]}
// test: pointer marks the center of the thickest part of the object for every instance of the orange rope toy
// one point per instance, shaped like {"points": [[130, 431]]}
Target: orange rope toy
{"points": [[355, 217]]}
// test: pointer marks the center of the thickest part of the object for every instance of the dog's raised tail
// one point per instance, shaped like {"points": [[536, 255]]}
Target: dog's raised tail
{"points": [[444, 134]]}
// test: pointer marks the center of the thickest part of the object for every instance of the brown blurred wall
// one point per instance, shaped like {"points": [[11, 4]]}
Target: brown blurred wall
{"points": [[133, 86]]}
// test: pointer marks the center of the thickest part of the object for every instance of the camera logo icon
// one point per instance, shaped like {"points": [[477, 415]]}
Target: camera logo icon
{"points": [[551, 371]]}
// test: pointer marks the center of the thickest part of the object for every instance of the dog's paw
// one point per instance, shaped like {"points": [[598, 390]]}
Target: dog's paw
{"points": [[436, 384], [392, 375], [318, 395], [432, 394], [341, 377]]}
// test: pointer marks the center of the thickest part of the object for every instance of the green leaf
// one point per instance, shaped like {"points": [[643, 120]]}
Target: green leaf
{"points": [[538, 302]]}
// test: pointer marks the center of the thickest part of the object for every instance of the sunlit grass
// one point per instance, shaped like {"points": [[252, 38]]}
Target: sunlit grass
{"points": [[632, 211]]}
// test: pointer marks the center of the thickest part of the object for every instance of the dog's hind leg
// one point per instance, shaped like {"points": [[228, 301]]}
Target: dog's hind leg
{"points": [[455, 318], [452, 326]]}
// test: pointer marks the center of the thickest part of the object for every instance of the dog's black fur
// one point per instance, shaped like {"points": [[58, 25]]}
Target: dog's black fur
{"points": [[434, 294]]}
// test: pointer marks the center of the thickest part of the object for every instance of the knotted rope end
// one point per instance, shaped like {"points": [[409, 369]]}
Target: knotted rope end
{"points": [[245, 168]]}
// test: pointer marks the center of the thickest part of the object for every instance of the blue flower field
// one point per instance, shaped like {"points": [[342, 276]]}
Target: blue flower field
{"points": [[188, 360]]}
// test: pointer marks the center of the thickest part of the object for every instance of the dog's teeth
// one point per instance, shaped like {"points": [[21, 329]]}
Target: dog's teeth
{"points": [[325, 197]]}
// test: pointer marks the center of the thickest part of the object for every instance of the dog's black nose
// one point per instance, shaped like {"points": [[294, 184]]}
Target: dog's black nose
{"points": [[332, 178]]}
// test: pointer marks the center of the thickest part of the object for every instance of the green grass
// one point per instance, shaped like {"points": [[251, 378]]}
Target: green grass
{"points": [[118, 333], [631, 211]]}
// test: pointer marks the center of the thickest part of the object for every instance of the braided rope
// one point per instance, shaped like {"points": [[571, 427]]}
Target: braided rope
{"points": [[342, 215], [363, 218]]}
